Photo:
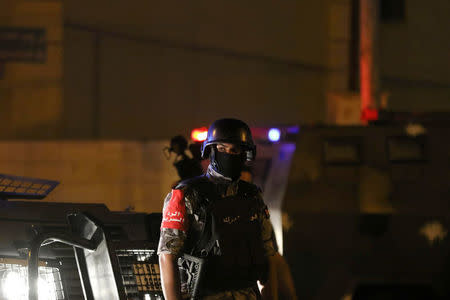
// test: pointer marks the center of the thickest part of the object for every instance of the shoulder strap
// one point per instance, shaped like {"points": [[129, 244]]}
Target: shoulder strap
{"points": [[250, 190], [248, 187], [207, 239], [191, 182], [207, 194]]}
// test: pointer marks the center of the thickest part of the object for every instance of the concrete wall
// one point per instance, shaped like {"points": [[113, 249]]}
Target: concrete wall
{"points": [[183, 65], [152, 70], [120, 174], [31, 93], [414, 57], [163, 68]]}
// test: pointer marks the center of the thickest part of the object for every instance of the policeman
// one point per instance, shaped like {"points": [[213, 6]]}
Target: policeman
{"points": [[221, 219], [185, 166]]}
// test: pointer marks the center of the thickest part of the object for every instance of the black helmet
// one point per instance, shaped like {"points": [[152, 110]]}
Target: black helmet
{"points": [[178, 144], [230, 131]]}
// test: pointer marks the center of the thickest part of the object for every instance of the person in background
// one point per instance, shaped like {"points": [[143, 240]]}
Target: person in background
{"points": [[186, 167], [285, 283]]}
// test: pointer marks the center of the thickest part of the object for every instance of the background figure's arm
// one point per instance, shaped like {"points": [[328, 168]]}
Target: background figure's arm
{"points": [[285, 281], [280, 281], [269, 290], [170, 278]]}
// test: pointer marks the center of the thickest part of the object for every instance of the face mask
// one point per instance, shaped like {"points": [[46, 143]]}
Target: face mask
{"points": [[228, 165]]}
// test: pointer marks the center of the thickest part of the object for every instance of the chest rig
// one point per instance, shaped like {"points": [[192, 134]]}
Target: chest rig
{"points": [[230, 239]]}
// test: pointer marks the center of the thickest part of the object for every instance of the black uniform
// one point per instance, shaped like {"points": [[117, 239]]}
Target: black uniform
{"points": [[220, 218], [225, 222]]}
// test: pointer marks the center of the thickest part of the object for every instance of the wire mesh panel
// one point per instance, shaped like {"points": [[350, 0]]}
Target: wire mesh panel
{"points": [[71, 279], [50, 283], [17, 187], [14, 281], [140, 274]]}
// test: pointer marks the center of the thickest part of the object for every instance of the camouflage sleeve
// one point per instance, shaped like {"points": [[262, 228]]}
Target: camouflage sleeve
{"points": [[174, 224], [266, 229], [171, 241]]}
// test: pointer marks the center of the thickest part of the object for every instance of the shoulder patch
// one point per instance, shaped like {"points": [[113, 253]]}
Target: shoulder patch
{"points": [[174, 214]]}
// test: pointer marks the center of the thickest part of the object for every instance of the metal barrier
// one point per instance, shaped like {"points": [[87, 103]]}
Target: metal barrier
{"points": [[119, 268], [33, 255]]}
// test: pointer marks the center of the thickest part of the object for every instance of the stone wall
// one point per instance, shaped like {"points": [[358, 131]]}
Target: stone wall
{"points": [[31, 93], [122, 174]]}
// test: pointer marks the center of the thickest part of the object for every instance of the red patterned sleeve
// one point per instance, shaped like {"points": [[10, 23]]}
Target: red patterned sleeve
{"points": [[174, 213]]}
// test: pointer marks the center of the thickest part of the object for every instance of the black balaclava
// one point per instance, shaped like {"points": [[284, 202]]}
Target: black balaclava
{"points": [[228, 165]]}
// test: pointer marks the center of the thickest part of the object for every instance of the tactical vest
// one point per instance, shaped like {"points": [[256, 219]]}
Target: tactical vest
{"points": [[231, 240]]}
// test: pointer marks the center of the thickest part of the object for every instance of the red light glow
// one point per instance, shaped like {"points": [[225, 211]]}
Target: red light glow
{"points": [[369, 114], [199, 134]]}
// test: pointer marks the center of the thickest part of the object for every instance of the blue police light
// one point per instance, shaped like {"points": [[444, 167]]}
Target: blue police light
{"points": [[274, 134]]}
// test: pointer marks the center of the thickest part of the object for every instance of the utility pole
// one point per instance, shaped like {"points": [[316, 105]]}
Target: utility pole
{"points": [[368, 57]]}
